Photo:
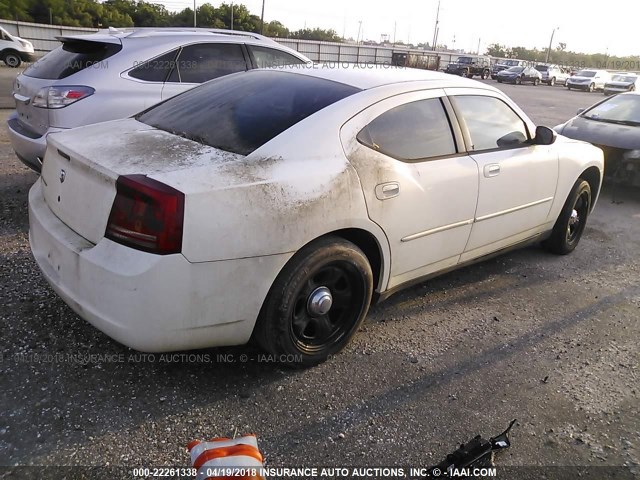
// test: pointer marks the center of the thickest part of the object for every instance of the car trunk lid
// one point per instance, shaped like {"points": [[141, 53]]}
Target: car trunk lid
{"points": [[82, 165]]}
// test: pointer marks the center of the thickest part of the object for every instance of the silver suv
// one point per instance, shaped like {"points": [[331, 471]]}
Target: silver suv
{"points": [[553, 74], [117, 73]]}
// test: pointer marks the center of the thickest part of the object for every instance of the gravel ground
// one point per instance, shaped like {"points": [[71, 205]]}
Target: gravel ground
{"points": [[551, 341]]}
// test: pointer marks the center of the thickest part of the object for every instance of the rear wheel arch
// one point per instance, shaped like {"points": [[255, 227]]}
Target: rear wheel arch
{"points": [[369, 245], [592, 176], [361, 238]]}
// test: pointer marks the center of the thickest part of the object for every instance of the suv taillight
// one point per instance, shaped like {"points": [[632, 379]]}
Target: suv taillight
{"points": [[60, 97], [146, 215]]}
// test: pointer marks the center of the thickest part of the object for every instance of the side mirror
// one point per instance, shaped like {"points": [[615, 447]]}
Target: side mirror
{"points": [[580, 110], [544, 136]]}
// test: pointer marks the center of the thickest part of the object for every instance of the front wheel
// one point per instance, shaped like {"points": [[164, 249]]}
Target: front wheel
{"points": [[536, 81], [592, 87], [518, 80], [572, 220], [552, 82], [316, 303], [12, 60], [486, 74]]}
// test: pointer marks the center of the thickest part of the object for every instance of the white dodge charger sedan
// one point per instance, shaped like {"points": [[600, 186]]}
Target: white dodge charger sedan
{"points": [[276, 204]]}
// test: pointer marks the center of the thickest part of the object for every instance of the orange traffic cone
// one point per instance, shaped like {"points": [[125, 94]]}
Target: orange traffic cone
{"points": [[226, 458]]}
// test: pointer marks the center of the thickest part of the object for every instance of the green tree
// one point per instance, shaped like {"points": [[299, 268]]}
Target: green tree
{"points": [[317, 34], [15, 10], [276, 29]]}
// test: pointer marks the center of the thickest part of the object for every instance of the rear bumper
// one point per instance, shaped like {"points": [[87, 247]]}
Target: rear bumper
{"points": [[28, 145], [149, 302]]}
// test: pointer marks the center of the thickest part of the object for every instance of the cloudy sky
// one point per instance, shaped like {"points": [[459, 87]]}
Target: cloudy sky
{"points": [[584, 26]]}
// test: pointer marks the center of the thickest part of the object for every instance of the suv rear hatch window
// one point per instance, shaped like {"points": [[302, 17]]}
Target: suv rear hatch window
{"points": [[239, 113], [73, 56]]}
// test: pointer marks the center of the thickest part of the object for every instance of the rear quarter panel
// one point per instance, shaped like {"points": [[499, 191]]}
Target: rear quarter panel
{"points": [[294, 189], [575, 157]]}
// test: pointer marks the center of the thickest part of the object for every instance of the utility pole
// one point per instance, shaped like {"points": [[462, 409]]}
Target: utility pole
{"points": [[435, 28], [394, 33], [359, 29], [478, 50], [262, 19], [50, 16], [194, 13], [231, 15], [550, 43]]}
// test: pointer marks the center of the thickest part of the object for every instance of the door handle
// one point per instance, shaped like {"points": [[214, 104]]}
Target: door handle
{"points": [[491, 170], [387, 190]]}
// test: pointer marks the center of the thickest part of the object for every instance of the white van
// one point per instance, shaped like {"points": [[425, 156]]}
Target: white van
{"points": [[15, 50], [589, 80]]}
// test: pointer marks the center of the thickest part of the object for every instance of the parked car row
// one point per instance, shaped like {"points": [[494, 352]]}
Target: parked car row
{"points": [[586, 79], [274, 204]]}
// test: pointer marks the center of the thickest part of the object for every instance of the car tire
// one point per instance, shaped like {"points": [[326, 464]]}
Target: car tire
{"points": [[12, 60], [552, 82], [591, 88], [518, 80], [536, 81], [632, 88], [572, 220], [499, 81], [300, 333], [485, 75]]}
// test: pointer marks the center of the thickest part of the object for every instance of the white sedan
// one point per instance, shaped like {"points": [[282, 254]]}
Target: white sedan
{"points": [[276, 204]]}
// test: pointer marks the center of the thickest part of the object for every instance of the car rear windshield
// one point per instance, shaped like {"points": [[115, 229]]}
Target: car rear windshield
{"points": [[72, 57], [241, 112], [542, 68]]}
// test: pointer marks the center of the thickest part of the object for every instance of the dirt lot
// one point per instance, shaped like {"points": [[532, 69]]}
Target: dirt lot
{"points": [[551, 341]]}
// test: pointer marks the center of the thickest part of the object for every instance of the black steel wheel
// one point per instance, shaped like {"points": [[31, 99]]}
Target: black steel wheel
{"points": [[317, 303], [572, 221], [518, 80]]}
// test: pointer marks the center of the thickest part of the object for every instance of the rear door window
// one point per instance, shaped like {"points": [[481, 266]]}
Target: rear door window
{"points": [[240, 113], [265, 57], [72, 57], [414, 131], [157, 69], [201, 62]]}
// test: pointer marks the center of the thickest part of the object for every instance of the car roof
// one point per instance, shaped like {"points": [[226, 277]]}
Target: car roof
{"points": [[168, 35], [366, 76]]}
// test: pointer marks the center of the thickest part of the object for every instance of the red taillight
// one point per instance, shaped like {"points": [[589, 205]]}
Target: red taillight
{"points": [[146, 215]]}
